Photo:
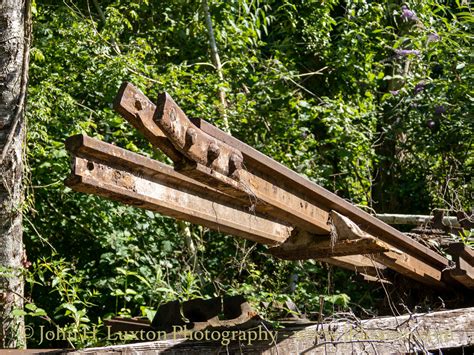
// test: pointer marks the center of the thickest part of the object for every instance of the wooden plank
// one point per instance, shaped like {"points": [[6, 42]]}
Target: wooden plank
{"points": [[428, 261], [252, 191], [281, 176], [301, 248], [414, 333], [358, 263], [115, 173]]}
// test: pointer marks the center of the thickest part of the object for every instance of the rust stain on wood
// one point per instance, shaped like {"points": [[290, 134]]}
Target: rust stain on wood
{"points": [[106, 170], [212, 161]]}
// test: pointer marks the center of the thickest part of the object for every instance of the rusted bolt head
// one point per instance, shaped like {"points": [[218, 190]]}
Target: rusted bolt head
{"points": [[235, 162], [172, 114], [213, 151], [191, 136]]}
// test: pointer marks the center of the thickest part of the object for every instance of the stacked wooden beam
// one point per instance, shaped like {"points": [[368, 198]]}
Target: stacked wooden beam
{"points": [[109, 171], [224, 184]]}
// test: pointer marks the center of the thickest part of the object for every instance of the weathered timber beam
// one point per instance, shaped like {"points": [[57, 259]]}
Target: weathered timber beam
{"points": [[349, 239], [358, 263], [302, 248], [135, 107], [279, 175], [115, 173], [414, 333], [252, 191], [394, 219]]}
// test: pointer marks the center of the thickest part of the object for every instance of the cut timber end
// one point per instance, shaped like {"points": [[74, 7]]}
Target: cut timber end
{"points": [[138, 110]]}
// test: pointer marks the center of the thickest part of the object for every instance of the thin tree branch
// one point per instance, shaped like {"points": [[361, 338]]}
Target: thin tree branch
{"points": [[103, 19], [217, 63]]}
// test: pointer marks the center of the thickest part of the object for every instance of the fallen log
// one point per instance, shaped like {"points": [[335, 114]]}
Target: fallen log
{"points": [[423, 332]]}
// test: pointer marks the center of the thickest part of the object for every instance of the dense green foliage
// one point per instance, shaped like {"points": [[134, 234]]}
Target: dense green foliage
{"points": [[365, 98]]}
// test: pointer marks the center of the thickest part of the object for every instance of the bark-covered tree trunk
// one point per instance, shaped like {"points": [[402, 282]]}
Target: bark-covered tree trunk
{"points": [[14, 49]]}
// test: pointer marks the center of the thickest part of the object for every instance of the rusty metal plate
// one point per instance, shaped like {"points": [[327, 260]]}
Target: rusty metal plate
{"points": [[192, 142]]}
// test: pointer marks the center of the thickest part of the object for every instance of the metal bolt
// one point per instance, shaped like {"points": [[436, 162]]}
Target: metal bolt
{"points": [[172, 114], [235, 162], [213, 151], [191, 136]]}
